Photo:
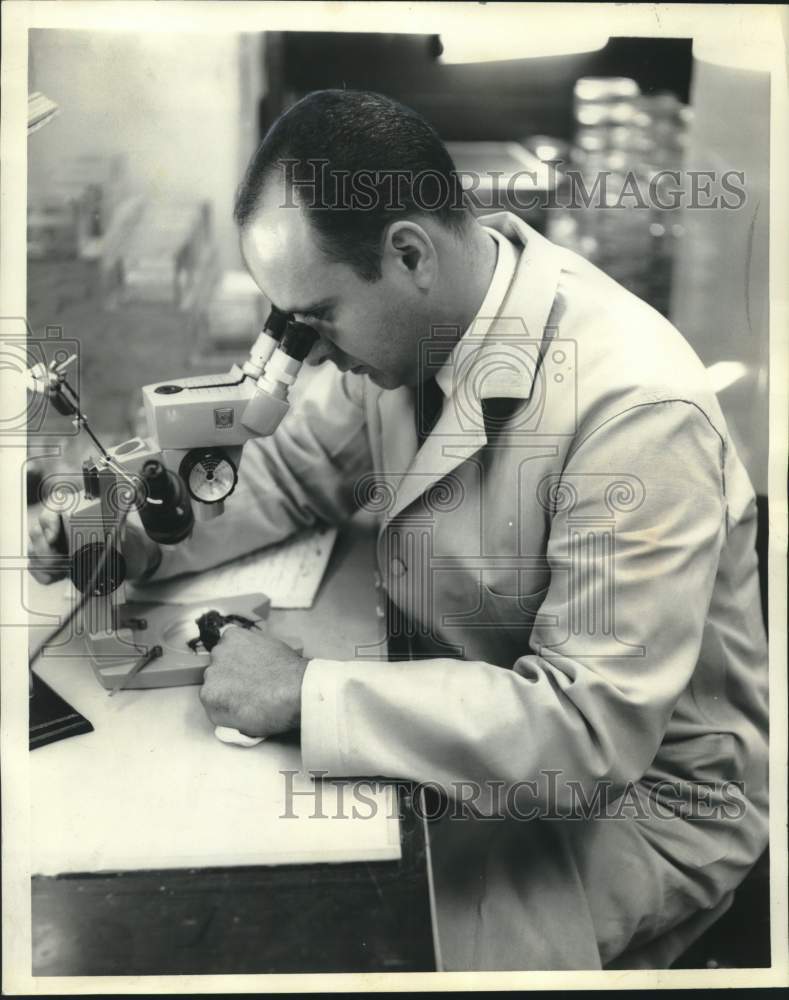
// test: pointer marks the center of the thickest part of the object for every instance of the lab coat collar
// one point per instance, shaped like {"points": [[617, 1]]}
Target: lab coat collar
{"points": [[506, 262], [500, 368], [499, 364]]}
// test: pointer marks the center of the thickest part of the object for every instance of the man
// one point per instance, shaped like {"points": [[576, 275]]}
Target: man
{"points": [[567, 543]]}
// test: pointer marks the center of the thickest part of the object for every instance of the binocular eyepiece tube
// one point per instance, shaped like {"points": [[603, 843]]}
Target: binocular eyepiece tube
{"points": [[267, 342], [290, 342]]}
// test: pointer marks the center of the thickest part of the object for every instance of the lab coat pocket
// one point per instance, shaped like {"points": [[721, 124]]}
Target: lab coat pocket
{"points": [[495, 626], [509, 620], [512, 610]]}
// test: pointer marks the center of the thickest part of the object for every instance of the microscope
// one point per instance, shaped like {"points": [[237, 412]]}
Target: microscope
{"points": [[180, 473]]}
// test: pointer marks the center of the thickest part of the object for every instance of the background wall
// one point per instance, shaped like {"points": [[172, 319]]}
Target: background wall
{"points": [[721, 277], [182, 108], [478, 101]]}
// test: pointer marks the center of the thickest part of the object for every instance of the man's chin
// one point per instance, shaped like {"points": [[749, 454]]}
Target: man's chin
{"points": [[379, 378], [382, 380]]}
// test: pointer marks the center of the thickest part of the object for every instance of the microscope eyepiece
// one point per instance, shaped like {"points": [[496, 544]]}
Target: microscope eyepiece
{"points": [[270, 403], [267, 342], [298, 340], [276, 323]]}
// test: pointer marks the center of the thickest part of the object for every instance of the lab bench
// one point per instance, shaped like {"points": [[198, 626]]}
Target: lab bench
{"points": [[355, 916]]}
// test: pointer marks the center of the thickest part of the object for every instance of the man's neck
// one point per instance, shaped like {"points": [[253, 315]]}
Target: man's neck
{"points": [[472, 275], [482, 259]]}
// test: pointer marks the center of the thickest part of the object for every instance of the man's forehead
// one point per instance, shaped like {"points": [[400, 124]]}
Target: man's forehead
{"points": [[281, 254], [276, 233]]}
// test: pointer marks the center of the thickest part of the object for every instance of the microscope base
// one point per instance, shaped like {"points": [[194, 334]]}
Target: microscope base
{"points": [[170, 626]]}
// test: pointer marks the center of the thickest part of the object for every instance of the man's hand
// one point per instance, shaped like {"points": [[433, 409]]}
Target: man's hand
{"points": [[253, 683], [48, 545]]}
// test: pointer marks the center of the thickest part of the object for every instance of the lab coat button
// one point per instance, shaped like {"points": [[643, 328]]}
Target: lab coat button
{"points": [[398, 567]]}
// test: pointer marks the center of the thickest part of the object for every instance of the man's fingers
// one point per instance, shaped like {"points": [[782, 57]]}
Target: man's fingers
{"points": [[229, 633], [44, 565], [209, 679], [213, 703], [50, 532], [34, 533], [218, 716], [51, 525], [45, 562], [213, 693], [221, 707], [41, 577], [218, 711], [209, 687]]}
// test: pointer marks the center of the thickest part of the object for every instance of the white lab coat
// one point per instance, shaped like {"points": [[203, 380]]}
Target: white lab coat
{"points": [[587, 581]]}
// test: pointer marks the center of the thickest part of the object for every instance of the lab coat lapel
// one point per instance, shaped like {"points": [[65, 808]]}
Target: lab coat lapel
{"points": [[455, 437], [494, 369], [398, 444]]}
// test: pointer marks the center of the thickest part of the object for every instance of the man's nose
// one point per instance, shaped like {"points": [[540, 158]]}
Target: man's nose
{"points": [[320, 351]]}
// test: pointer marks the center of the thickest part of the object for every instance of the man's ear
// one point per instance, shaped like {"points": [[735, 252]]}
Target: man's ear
{"points": [[410, 251]]}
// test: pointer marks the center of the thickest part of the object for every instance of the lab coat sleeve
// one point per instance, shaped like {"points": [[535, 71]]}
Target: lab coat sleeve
{"points": [[591, 708], [300, 477]]}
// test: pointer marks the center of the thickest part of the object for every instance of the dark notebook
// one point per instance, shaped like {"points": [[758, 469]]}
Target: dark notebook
{"points": [[52, 718]]}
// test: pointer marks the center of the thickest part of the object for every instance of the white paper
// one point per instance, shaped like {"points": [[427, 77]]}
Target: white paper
{"points": [[289, 573]]}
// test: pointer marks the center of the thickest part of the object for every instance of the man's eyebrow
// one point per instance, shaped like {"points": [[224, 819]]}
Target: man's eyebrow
{"points": [[313, 307]]}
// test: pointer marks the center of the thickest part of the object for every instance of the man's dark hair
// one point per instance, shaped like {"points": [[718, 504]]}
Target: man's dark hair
{"points": [[355, 162]]}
